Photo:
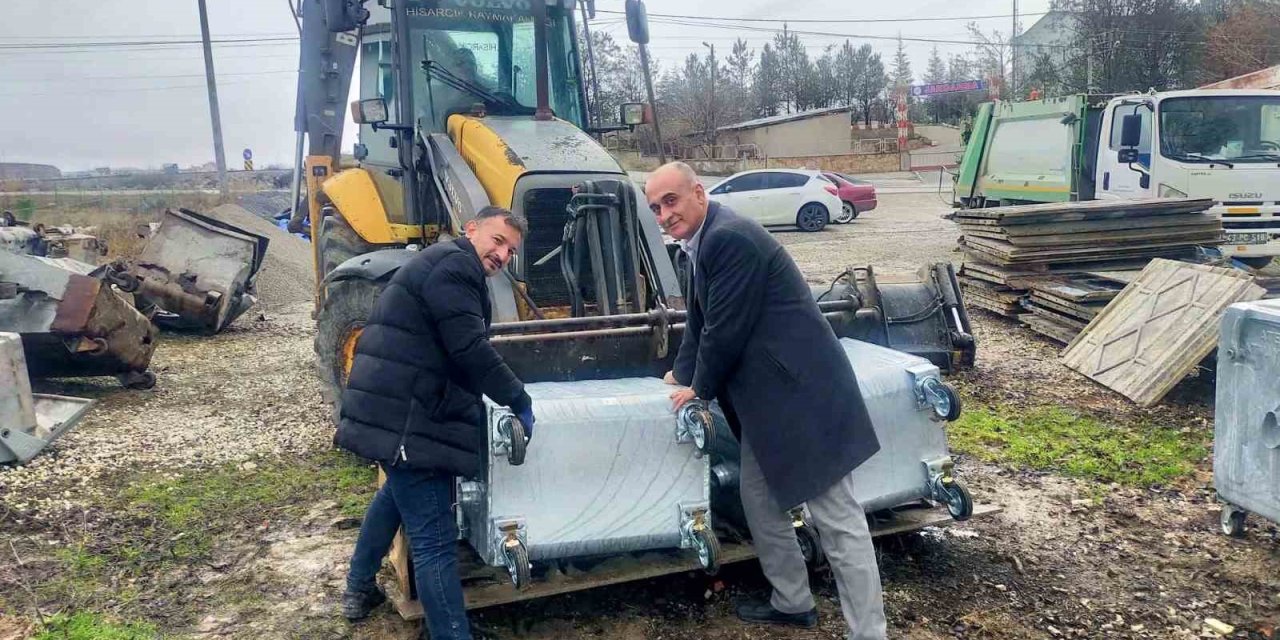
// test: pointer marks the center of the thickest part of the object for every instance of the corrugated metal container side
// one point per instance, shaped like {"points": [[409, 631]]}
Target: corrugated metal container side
{"points": [[1246, 459]]}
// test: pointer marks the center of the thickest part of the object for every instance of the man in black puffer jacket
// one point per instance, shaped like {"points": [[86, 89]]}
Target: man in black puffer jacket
{"points": [[412, 404]]}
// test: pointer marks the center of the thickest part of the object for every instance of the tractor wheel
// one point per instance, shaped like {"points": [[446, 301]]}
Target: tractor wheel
{"points": [[347, 307], [339, 243]]}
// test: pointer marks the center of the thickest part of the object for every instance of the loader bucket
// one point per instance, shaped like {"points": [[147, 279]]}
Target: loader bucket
{"points": [[29, 422], [72, 324], [197, 271]]}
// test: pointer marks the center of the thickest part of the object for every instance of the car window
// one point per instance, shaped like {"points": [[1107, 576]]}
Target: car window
{"points": [[835, 179], [779, 180], [749, 182]]}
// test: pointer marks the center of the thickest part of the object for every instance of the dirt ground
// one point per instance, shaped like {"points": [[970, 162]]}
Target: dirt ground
{"points": [[1065, 558]]}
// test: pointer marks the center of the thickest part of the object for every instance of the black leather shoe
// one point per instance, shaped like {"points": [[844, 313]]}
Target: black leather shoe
{"points": [[357, 605], [763, 612]]}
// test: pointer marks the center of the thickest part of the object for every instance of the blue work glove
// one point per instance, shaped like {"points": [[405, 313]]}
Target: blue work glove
{"points": [[526, 419]]}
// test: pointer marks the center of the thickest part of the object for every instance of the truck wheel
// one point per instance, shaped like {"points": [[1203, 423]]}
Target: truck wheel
{"points": [[347, 307], [813, 217]]}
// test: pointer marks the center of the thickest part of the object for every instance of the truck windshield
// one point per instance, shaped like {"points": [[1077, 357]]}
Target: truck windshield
{"points": [[491, 52], [1232, 128]]}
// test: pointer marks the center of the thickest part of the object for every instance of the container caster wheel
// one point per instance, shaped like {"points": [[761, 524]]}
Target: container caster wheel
{"points": [[708, 547], [810, 546], [514, 430], [698, 424], [943, 398], [1233, 521], [702, 438], [141, 380], [959, 502], [518, 567]]}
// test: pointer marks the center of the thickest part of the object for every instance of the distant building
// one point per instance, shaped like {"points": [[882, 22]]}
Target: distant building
{"points": [[1051, 38], [25, 171], [806, 133]]}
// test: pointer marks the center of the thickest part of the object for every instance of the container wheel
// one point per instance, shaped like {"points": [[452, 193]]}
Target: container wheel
{"points": [[708, 547], [958, 500], [518, 567], [953, 403], [702, 438], [810, 545], [1233, 520], [516, 449]]}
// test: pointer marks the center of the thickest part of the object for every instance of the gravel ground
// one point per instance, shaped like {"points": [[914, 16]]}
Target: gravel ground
{"points": [[1056, 563], [286, 277]]}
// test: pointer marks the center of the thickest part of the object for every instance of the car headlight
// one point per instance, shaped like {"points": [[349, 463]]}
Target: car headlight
{"points": [[1167, 191]]}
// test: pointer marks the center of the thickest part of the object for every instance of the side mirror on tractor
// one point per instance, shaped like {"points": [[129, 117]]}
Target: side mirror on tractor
{"points": [[344, 15], [637, 22]]}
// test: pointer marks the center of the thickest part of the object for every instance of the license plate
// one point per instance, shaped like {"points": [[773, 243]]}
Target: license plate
{"points": [[1248, 238]]}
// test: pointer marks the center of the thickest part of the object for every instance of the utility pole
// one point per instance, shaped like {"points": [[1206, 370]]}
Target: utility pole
{"points": [[218, 154], [653, 104], [591, 62], [1013, 52], [711, 119]]}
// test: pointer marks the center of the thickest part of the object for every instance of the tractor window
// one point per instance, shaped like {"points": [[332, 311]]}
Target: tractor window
{"points": [[376, 81], [493, 50]]}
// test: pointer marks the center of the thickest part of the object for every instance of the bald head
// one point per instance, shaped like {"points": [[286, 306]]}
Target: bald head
{"points": [[677, 199]]}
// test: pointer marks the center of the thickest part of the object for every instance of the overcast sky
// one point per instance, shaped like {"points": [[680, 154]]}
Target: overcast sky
{"points": [[81, 107]]}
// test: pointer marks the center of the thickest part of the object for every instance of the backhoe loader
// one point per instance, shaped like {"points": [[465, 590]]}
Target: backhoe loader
{"points": [[469, 103]]}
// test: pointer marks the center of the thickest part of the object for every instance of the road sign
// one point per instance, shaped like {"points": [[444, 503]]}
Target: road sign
{"points": [[924, 90], [248, 165], [248, 155]]}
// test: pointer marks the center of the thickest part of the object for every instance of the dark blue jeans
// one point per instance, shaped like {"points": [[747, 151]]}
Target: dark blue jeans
{"points": [[422, 502]]}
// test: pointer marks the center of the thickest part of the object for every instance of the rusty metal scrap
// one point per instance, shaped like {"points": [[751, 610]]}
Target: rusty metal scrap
{"points": [[195, 273], [73, 324]]}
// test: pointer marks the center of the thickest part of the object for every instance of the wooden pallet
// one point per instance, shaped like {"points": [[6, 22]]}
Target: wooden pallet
{"points": [[1050, 328], [1058, 212], [1159, 328]]}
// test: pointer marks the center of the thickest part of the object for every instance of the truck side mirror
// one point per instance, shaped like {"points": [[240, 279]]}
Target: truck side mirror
{"points": [[1131, 131], [637, 22], [591, 9], [370, 111], [1127, 155]]}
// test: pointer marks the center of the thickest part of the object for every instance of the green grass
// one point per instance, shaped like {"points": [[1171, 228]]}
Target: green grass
{"points": [[195, 504], [88, 626], [1054, 439], [161, 524]]}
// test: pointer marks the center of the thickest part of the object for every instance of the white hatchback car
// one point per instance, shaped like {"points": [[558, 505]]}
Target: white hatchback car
{"points": [[802, 198]]}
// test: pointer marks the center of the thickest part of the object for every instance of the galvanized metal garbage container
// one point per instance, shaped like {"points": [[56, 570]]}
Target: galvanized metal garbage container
{"points": [[1246, 453], [909, 407], [29, 422], [610, 469]]}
